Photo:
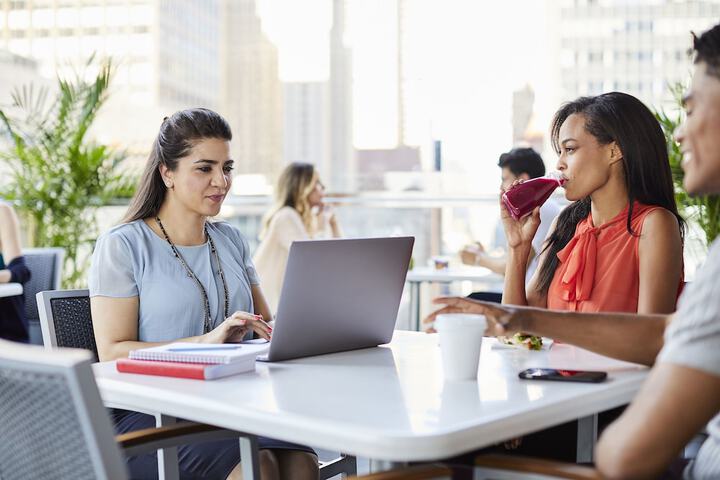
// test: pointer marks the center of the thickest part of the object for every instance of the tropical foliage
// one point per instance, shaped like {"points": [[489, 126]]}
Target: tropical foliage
{"points": [[58, 175], [704, 210]]}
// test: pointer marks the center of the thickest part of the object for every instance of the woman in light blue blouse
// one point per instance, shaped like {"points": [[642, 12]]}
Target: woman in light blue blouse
{"points": [[169, 274]]}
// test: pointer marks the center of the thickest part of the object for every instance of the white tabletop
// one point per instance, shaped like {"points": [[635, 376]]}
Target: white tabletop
{"points": [[10, 289], [453, 274], [387, 403]]}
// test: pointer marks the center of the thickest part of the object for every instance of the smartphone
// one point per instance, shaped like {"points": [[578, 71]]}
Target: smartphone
{"points": [[562, 375]]}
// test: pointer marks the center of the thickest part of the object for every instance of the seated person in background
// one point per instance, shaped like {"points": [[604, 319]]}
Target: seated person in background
{"points": [[13, 324], [299, 214], [619, 246], [682, 393], [169, 274], [517, 164]]}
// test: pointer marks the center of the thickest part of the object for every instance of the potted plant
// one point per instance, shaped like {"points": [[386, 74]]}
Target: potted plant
{"points": [[58, 175], [703, 210]]}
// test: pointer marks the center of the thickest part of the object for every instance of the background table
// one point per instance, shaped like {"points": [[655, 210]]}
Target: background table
{"points": [[492, 282], [10, 289], [388, 403]]}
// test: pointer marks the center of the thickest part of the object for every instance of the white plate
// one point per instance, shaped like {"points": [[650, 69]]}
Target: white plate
{"points": [[547, 343]]}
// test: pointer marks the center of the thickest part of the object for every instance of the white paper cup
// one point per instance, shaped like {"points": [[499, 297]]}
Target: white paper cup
{"points": [[460, 341]]}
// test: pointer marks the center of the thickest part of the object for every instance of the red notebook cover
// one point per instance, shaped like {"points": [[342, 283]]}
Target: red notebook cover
{"points": [[199, 371]]}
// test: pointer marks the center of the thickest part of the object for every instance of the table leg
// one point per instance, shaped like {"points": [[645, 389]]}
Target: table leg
{"points": [[249, 461], [414, 310], [586, 438], [168, 468]]}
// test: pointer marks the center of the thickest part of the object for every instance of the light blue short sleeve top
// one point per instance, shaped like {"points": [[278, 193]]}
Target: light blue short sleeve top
{"points": [[131, 260]]}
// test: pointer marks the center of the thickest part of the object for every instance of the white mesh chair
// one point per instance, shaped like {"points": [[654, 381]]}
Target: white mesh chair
{"points": [[54, 425]]}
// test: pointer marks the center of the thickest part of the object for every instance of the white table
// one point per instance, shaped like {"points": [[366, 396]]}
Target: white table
{"points": [[419, 275], [10, 289], [388, 403]]}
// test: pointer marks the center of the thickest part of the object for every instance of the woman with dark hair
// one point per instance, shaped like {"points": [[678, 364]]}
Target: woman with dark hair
{"points": [[299, 214], [170, 274], [618, 246]]}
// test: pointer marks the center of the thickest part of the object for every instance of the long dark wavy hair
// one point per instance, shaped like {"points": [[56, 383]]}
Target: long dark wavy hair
{"points": [[178, 133], [623, 119]]}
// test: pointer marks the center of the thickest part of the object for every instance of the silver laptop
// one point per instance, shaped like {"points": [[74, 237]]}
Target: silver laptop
{"points": [[339, 295]]}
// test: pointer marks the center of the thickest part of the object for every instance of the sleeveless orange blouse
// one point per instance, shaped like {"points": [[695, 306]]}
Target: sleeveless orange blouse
{"points": [[599, 268]]}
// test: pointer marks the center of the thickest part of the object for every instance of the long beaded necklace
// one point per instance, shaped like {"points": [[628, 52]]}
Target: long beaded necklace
{"points": [[207, 325]]}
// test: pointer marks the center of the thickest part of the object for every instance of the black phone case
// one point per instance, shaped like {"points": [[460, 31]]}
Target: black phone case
{"points": [[597, 379]]}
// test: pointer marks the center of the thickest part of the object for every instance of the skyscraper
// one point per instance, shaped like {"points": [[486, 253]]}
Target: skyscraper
{"points": [[342, 170], [166, 53], [624, 45], [252, 92], [306, 129]]}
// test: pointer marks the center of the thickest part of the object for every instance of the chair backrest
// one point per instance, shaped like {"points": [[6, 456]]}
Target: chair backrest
{"points": [[65, 319], [45, 265], [52, 419]]}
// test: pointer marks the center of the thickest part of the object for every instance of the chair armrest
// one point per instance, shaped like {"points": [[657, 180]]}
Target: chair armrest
{"points": [[151, 439], [538, 466], [420, 472]]}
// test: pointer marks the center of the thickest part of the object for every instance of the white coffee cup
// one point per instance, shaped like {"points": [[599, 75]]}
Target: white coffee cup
{"points": [[460, 341]]}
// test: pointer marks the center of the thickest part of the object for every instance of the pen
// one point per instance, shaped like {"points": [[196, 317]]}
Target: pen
{"points": [[203, 349]]}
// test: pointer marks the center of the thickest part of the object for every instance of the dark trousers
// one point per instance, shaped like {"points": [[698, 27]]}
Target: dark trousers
{"points": [[13, 325]]}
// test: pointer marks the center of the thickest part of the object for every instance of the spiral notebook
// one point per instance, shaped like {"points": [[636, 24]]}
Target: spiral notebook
{"points": [[201, 353]]}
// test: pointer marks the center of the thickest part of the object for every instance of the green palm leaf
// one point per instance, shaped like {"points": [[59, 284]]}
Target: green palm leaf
{"points": [[58, 176], [704, 209]]}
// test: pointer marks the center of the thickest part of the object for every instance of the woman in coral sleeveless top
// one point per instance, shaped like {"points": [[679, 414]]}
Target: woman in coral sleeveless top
{"points": [[618, 247]]}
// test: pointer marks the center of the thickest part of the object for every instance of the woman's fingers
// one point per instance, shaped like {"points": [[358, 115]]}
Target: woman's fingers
{"points": [[239, 317], [260, 327], [535, 217], [239, 322]]}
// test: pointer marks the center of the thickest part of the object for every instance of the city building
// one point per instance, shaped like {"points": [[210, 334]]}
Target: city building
{"points": [[624, 45], [168, 55], [307, 124], [343, 164], [524, 119], [252, 92], [374, 164], [15, 70]]}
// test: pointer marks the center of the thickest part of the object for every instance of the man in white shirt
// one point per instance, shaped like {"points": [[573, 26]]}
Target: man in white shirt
{"points": [[682, 392], [517, 164]]}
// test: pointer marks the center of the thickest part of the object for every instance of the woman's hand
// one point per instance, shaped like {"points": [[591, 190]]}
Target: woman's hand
{"points": [[471, 254], [326, 218], [236, 326], [326, 213], [519, 232], [501, 318]]}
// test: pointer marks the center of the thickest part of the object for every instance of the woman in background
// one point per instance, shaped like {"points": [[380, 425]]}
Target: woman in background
{"points": [[299, 214], [13, 324]]}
